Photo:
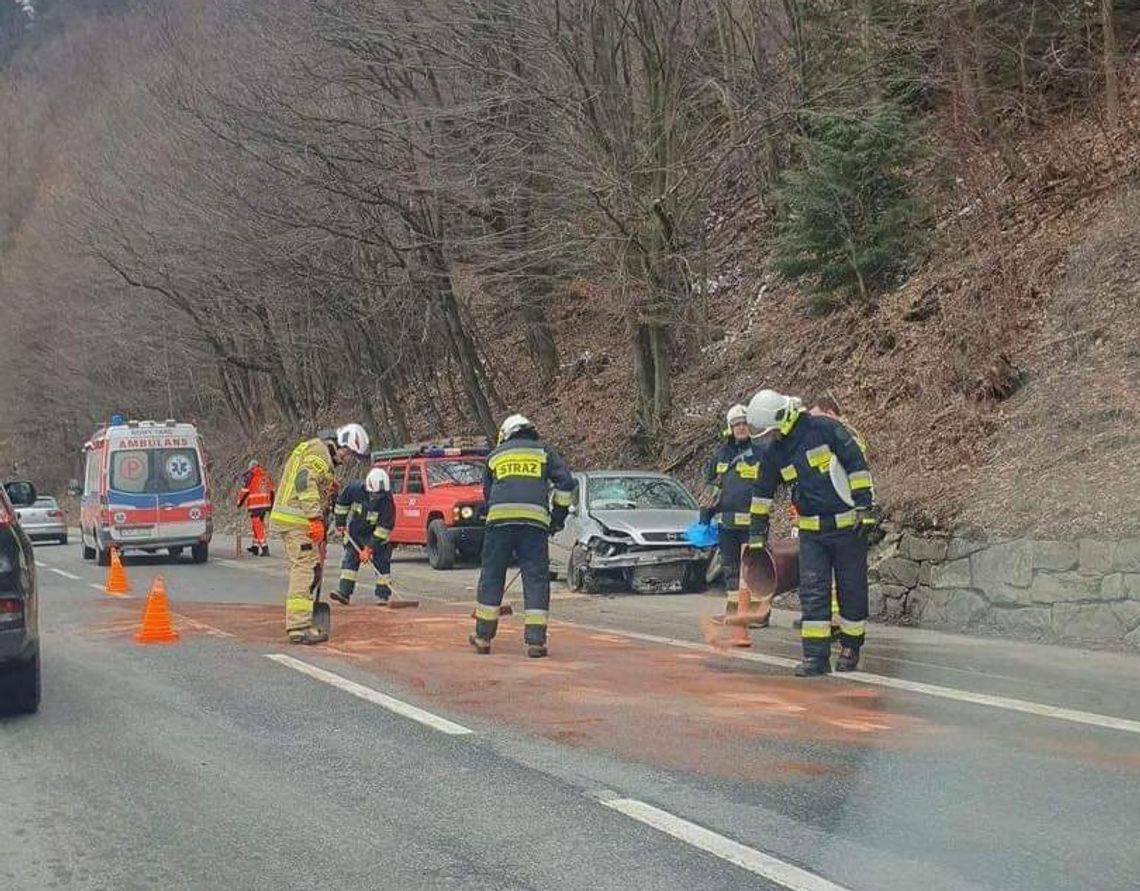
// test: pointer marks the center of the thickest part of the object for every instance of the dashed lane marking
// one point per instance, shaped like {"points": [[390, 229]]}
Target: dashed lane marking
{"points": [[65, 574]]}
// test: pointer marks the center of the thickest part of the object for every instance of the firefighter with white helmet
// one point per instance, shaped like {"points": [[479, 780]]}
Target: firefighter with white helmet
{"points": [[365, 515], [299, 508], [731, 474], [529, 492], [833, 493]]}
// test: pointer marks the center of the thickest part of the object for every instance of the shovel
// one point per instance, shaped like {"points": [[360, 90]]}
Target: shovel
{"points": [[322, 617], [395, 601]]}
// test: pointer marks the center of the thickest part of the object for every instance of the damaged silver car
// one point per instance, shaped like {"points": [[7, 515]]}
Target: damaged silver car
{"points": [[626, 531]]}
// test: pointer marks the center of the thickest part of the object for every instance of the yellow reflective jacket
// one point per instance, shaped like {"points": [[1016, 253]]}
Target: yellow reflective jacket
{"points": [[305, 488]]}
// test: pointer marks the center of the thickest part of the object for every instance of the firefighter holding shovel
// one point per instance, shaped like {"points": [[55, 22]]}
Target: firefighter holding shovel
{"points": [[298, 517], [365, 515]]}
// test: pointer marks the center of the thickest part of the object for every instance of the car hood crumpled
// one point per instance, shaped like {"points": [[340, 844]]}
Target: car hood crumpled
{"points": [[653, 527]]}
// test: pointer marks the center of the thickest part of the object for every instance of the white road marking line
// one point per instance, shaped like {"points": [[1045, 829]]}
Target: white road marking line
{"points": [[1038, 709], [41, 564], [374, 696], [248, 567], [66, 575], [202, 626], [772, 868], [95, 586]]}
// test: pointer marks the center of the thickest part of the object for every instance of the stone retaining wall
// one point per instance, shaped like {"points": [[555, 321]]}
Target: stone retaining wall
{"points": [[1079, 592]]}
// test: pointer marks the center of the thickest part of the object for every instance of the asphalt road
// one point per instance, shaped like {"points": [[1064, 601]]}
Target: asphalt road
{"points": [[635, 757]]}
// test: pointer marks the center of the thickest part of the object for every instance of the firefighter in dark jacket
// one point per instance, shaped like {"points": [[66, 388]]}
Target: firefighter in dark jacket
{"points": [[833, 494], [731, 476], [529, 492], [365, 515]]}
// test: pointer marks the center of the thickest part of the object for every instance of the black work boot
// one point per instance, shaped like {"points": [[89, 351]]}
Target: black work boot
{"points": [[813, 667], [537, 651], [481, 644], [848, 659], [265, 550], [252, 550], [340, 597]]}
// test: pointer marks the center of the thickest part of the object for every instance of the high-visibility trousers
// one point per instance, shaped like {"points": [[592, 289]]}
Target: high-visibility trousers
{"points": [[841, 555], [304, 579], [530, 545]]}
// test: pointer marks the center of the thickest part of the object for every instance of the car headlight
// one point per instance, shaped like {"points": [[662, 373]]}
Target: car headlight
{"points": [[467, 512]]}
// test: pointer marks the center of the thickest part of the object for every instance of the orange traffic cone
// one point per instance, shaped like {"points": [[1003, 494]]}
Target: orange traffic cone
{"points": [[117, 583], [157, 626]]}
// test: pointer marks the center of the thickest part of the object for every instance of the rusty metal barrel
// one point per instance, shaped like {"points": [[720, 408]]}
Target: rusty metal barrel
{"points": [[772, 571]]}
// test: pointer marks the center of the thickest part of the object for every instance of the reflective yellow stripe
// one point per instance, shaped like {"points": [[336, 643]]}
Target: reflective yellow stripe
{"points": [[381, 534], [834, 602], [747, 471], [761, 507], [562, 498], [739, 519], [383, 579], [300, 604], [816, 630], [348, 575], [860, 479], [851, 629], [536, 617], [721, 467], [788, 474], [486, 613], [507, 513], [845, 520], [341, 510], [820, 458], [372, 517]]}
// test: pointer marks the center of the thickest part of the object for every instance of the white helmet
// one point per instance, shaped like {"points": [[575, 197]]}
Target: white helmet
{"points": [[737, 414], [513, 425], [770, 410], [376, 481], [354, 438]]}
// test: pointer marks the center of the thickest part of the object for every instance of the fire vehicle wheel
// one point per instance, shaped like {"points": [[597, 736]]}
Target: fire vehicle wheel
{"points": [[440, 545], [200, 553]]}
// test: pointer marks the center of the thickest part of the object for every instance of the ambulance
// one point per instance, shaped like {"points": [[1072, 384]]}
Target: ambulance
{"points": [[144, 489]]}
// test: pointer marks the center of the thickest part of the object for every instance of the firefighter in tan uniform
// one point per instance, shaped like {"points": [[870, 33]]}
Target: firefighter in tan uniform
{"points": [[298, 516]]}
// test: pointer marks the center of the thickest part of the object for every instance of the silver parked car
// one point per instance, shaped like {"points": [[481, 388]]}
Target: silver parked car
{"points": [[627, 529], [44, 521]]}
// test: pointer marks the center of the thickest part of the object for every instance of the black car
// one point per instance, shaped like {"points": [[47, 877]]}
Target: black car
{"points": [[19, 626]]}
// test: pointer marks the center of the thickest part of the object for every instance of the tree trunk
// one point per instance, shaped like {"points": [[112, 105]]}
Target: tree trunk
{"points": [[1111, 86]]}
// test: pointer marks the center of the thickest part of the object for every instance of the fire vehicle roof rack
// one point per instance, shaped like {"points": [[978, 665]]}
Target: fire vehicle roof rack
{"points": [[430, 450]]}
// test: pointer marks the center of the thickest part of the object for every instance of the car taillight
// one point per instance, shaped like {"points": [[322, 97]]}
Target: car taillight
{"points": [[55, 513], [11, 612], [6, 518]]}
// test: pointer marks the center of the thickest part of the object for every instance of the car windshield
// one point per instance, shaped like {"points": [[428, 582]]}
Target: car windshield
{"points": [[454, 473], [154, 471], [46, 503], [637, 493]]}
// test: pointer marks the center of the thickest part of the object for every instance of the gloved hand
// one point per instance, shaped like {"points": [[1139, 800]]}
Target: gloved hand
{"points": [[864, 523], [366, 555], [557, 521], [316, 531], [343, 533], [757, 542]]}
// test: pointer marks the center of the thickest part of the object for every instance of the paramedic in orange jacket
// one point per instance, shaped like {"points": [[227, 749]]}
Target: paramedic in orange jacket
{"points": [[256, 496]]}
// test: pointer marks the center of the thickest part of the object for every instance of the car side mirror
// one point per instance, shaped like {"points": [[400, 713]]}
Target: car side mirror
{"points": [[21, 494]]}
